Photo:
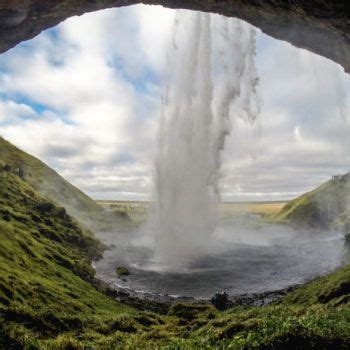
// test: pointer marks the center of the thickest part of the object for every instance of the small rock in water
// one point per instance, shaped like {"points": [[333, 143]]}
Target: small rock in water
{"points": [[221, 301], [122, 271]]}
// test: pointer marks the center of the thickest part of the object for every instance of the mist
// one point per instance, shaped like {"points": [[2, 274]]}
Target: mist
{"points": [[211, 79]]}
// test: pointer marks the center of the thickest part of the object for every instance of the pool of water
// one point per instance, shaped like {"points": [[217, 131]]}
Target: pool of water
{"points": [[241, 257]]}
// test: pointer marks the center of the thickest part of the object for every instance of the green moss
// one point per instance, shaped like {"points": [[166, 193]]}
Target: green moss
{"points": [[333, 289], [324, 207], [122, 271], [46, 276]]}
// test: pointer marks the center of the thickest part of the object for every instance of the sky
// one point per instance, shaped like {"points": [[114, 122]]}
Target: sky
{"points": [[85, 98]]}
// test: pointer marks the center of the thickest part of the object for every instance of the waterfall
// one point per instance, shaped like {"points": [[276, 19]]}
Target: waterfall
{"points": [[211, 78]]}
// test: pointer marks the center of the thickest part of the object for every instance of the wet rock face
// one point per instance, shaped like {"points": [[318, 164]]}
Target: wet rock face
{"points": [[11, 18], [321, 26]]}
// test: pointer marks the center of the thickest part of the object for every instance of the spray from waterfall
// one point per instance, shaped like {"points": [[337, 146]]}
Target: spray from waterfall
{"points": [[211, 78]]}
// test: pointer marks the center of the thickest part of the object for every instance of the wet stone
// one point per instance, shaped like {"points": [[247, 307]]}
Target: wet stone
{"points": [[221, 301], [11, 18]]}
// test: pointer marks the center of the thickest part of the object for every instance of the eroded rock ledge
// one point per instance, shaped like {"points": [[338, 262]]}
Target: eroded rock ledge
{"points": [[317, 25]]}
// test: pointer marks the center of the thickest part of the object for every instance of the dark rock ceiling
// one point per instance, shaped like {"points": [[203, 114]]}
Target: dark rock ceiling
{"points": [[317, 25]]}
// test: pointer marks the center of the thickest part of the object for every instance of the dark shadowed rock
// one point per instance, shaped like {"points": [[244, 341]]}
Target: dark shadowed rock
{"points": [[11, 18], [45, 207], [221, 301], [321, 26]]}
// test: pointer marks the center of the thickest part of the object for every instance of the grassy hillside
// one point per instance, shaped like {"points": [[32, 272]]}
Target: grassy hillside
{"points": [[54, 187], [48, 298], [46, 276], [326, 206], [333, 289]]}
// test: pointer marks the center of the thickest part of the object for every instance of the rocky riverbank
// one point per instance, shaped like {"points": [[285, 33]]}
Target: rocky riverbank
{"points": [[161, 303]]}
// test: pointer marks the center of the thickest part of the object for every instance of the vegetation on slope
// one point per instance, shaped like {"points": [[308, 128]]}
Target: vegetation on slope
{"points": [[333, 290], [325, 207], [48, 298], [46, 280], [54, 187]]}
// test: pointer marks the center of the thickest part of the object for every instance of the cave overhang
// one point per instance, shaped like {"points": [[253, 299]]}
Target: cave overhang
{"points": [[319, 26]]}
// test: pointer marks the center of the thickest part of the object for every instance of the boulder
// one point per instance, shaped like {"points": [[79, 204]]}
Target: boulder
{"points": [[221, 301], [122, 271]]}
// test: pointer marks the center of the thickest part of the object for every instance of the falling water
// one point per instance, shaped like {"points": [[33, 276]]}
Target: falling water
{"points": [[212, 78]]}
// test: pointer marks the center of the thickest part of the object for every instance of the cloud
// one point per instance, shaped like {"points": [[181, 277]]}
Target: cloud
{"points": [[88, 92], [87, 74], [10, 110]]}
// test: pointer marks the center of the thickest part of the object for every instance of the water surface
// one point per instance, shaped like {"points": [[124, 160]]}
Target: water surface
{"points": [[240, 257]]}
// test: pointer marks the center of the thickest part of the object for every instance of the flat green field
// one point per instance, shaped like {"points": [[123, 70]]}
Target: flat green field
{"points": [[226, 209], [258, 208]]}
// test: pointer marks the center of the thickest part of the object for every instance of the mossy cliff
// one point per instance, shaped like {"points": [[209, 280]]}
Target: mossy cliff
{"points": [[47, 293], [54, 187], [325, 207]]}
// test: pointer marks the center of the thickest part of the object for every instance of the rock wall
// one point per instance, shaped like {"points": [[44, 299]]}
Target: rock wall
{"points": [[320, 26]]}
